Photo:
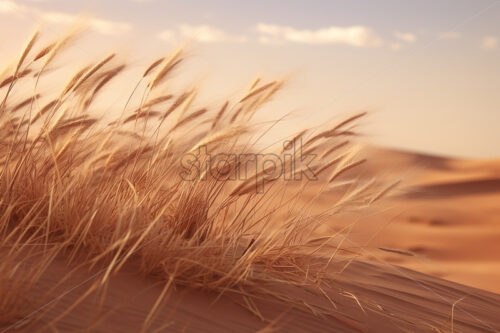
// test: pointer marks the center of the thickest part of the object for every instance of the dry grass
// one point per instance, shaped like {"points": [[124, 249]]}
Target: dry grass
{"points": [[109, 193]]}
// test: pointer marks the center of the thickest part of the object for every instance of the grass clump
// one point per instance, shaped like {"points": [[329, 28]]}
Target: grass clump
{"points": [[95, 192]]}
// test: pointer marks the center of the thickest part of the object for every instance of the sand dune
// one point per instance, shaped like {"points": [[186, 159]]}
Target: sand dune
{"points": [[458, 188], [368, 297], [443, 224], [445, 217]]}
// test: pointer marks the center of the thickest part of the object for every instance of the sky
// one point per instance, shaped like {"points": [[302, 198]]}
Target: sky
{"points": [[427, 71]]}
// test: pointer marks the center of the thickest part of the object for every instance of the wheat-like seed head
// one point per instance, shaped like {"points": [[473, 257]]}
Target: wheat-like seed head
{"points": [[101, 195]]}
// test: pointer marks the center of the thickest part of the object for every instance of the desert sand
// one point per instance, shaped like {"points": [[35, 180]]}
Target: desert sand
{"points": [[375, 297], [429, 262], [445, 217]]}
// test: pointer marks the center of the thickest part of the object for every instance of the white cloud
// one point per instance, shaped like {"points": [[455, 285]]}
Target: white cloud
{"points": [[489, 42], [449, 35], [7, 6], [104, 27], [110, 27], [200, 33], [405, 36], [359, 36]]}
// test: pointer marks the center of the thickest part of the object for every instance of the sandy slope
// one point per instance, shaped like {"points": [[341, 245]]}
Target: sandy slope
{"points": [[388, 299], [447, 216], [444, 223]]}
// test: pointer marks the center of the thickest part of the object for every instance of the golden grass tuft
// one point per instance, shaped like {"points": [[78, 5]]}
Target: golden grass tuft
{"points": [[111, 193]]}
